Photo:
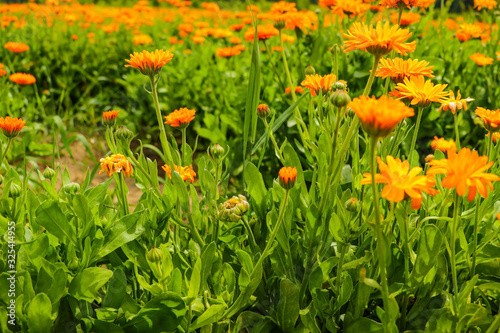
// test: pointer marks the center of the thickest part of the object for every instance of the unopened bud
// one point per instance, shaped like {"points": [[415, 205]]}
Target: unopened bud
{"points": [[340, 98], [15, 190], [73, 264], [352, 204], [49, 173], [71, 188], [279, 24], [154, 255], [310, 70], [263, 111], [217, 151], [429, 158]]}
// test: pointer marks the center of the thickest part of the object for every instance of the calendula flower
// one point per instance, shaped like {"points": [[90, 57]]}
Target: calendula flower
{"points": [[316, 82], [297, 90], [495, 137], [464, 171], [453, 104], [16, 47], [399, 3], [398, 69], [490, 118], [480, 4], [443, 144], [109, 117], [421, 92], [233, 209], [263, 111], [481, 59], [228, 52], [352, 8], [467, 31], [22, 78], [380, 40], [116, 163], [401, 182], [186, 172], [327, 3], [142, 40], [406, 18], [2, 70], [288, 177], [11, 126], [149, 63], [263, 32], [180, 118], [379, 116]]}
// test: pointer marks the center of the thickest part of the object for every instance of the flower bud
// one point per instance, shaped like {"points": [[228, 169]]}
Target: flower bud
{"points": [[109, 117], [15, 190], [429, 158], [279, 24], [73, 264], [335, 49], [263, 111], [310, 70], [49, 173], [124, 133], [352, 204], [340, 98], [217, 151], [71, 188], [154, 255], [339, 85], [288, 177], [233, 209]]}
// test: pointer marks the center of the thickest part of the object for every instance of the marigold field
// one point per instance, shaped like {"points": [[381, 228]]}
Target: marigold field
{"points": [[186, 166]]}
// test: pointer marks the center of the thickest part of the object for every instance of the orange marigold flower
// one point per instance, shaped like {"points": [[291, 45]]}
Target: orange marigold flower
{"points": [[352, 8], [74, 37], [116, 163], [2, 70], [297, 20], [426, 3], [421, 92], [379, 116], [22, 78], [186, 173], [490, 118], [316, 82], [399, 3], [443, 144], [237, 27], [109, 117], [398, 69], [16, 47], [283, 7], [149, 63], [453, 104], [327, 3], [406, 18], [234, 40], [479, 4], [380, 40], [263, 111], [465, 170], [228, 52], [198, 39], [495, 137], [142, 40], [467, 31], [11, 126], [298, 90], [288, 177], [263, 32], [481, 59], [401, 182], [180, 118]]}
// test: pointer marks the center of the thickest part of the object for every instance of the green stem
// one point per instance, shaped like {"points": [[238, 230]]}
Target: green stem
{"points": [[4, 152], [183, 162], [369, 83], [406, 296], [457, 135], [120, 184], [474, 244], [276, 147], [488, 151], [415, 133], [343, 251], [251, 237], [452, 244], [380, 241], [163, 135]]}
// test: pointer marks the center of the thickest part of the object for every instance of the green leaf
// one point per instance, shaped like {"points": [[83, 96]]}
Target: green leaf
{"points": [[288, 305], [39, 314], [429, 246], [125, 230], [50, 216], [211, 315], [364, 325], [256, 189], [162, 314], [117, 289], [85, 286], [82, 211]]}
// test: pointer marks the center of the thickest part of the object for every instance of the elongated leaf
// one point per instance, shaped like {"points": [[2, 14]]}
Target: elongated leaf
{"points": [[278, 122], [85, 285], [211, 315], [288, 305], [50, 216], [428, 249], [123, 231], [39, 314]]}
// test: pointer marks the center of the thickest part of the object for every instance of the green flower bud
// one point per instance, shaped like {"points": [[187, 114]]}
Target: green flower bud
{"points": [[15, 190], [340, 98], [263, 111], [279, 24], [73, 264], [310, 70], [154, 255], [49, 173], [339, 86], [71, 188], [233, 209], [217, 151], [352, 204]]}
